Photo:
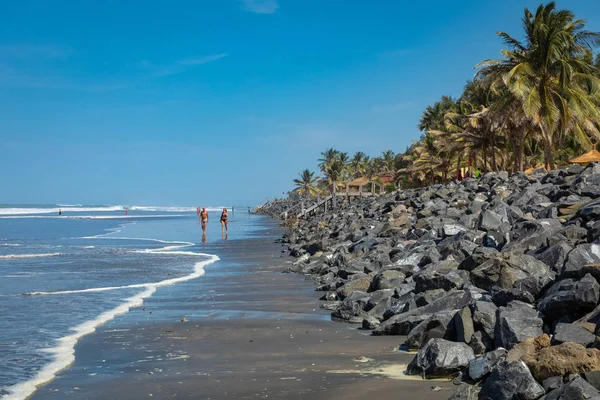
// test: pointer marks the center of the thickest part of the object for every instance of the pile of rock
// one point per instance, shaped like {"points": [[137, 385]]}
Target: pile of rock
{"points": [[495, 279]]}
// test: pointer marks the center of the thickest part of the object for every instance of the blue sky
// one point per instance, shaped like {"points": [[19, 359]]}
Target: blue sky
{"points": [[223, 101]]}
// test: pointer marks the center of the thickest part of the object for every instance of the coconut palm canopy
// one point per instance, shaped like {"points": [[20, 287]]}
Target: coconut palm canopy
{"points": [[539, 104], [590, 156]]}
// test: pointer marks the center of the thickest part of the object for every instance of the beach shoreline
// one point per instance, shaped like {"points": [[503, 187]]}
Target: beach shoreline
{"points": [[249, 332]]}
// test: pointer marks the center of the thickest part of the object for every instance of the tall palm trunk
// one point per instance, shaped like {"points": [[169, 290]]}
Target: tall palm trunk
{"points": [[333, 194], [548, 155], [493, 150]]}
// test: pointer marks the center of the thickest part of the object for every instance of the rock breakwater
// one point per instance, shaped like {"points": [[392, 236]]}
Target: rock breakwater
{"points": [[494, 280]]}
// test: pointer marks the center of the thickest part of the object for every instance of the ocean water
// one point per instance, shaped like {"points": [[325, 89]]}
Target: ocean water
{"points": [[62, 276]]}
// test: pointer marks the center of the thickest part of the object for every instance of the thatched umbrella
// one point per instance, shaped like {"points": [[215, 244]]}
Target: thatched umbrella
{"points": [[590, 156]]}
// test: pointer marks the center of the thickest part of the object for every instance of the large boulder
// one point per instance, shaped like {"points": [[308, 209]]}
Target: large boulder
{"points": [[581, 257], [490, 221], [554, 256], [440, 358], [577, 389], [388, 279], [515, 323], [440, 325], [564, 359], [463, 325], [349, 311], [440, 278], [511, 380], [360, 284], [510, 271], [403, 323], [484, 320], [573, 333], [480, 366], [570, 297], [531, 235]]}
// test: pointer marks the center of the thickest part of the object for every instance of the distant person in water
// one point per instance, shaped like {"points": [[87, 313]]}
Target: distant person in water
{"points": [[224, 218], [204, 218], [127, 211], [198, 211], [59, 212]]}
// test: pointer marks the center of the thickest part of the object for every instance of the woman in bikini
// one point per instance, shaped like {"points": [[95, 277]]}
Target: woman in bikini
{"points": [[224, 218]]}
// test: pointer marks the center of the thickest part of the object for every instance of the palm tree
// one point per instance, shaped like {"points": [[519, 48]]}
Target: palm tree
{"points": [[388, 166], [358, 164], [306, 184], [433, 116], [327, 157], [549, 76], [334, 172]]}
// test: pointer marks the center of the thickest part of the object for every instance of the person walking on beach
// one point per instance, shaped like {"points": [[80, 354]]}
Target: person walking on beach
{"points": [[204, 218], [224, 218]]}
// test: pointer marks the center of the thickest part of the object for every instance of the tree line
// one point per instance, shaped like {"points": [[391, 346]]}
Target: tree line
{"points": [[539, 105]]}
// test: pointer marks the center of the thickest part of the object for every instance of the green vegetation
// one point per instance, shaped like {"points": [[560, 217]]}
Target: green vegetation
{"points": [[537, 106]]}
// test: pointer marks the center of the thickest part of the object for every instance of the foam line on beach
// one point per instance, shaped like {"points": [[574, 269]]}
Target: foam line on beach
{"points": [[25, 256], [64, 352], [168, 250], [52, 210], [103, 217]]}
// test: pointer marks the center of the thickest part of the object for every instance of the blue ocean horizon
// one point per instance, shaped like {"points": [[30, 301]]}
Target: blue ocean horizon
{"points": [[62, 276]]}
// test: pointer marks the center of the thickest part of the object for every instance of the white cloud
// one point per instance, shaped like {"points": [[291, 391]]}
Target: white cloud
{"points": [[260, 6], [177, 67], [201, 60]]}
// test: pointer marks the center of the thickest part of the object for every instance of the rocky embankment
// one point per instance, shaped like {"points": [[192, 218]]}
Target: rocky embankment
{"points": [[494, 280]]}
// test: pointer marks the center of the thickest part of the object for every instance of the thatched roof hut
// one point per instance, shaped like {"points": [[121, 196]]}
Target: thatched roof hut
{"points": [[590, 156], [362, 181]]}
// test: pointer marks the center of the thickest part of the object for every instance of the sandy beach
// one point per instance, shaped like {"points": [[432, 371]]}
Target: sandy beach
{"points": [[248, 331]]}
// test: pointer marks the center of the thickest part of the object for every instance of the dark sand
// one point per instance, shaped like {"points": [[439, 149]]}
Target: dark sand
{"points": [[251, 332]]}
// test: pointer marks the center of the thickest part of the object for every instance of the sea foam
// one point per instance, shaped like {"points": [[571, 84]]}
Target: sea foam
{"points": [[25, 256], [64, 351]]}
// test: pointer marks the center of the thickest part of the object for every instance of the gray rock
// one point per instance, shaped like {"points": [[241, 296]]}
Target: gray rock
{"points": [[388, 279], [443, 279], [552, 383], [439, 325], [370, 323], [452, 229], [349, 311], [508, 271], [554, 256], [579, 257], [593, 378], [477, 343], [531, 235], [480, 366], [511, 380], [429, 297], [440, 358], [573, 297], [465, 392], [402, 324], [577, 389], [484, 319], [515, 323], [572, 333], [489, 221], [464, 326]]}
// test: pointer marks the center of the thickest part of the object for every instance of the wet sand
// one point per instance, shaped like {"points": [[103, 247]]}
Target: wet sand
{"points": [[248, 332]]}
